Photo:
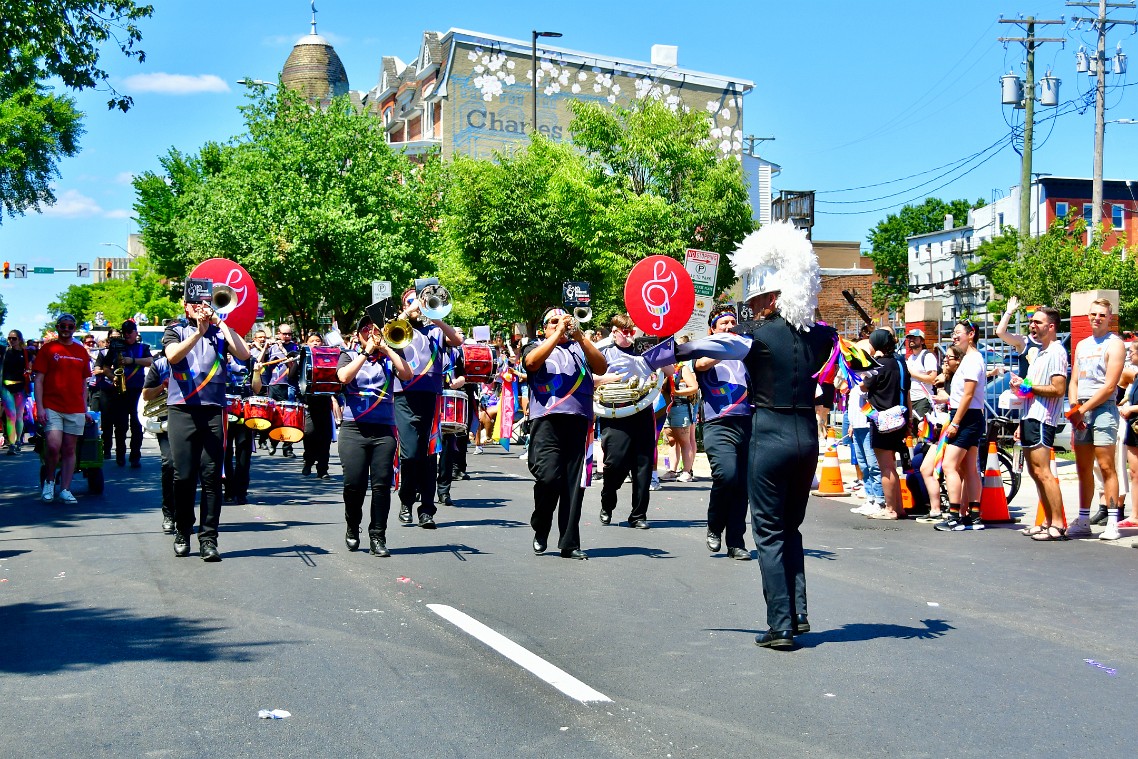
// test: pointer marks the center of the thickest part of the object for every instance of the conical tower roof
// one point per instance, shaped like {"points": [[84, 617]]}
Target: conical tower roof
{"points": [[314, 69]]}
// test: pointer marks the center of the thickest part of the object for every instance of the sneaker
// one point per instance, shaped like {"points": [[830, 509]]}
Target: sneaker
{"points": [[668, 476], [1100, 516], [684, 477], [867, 508], [970, 523], [524, 456], [477, 450], [1080, 528], [948, 524], [930, 518], [66, 497], [48, 492], [655, 485], [1110, 533], [857, 485]]}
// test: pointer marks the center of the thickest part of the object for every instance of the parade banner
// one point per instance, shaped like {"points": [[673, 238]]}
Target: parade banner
{"points": [[659, 295]]}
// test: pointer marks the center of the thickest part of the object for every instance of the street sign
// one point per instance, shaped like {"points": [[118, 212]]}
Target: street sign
{"points": [[20, 271], [703, 266], [380, 289], [43, 270], [82, 270]]}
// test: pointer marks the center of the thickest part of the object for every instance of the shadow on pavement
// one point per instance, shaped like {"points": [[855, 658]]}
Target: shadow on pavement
{"points": [[268, 525], [303, 552], [10, 554], [484, 523], [479, 503], [615, 551], [460, 550], [857, 632], [818, 553], [42, 638]]}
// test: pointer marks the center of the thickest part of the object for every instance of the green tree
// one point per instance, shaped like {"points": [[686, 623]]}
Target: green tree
{"points": [[312, 202], [890, 251], [62, 38], [3, 311], [141, 291]]}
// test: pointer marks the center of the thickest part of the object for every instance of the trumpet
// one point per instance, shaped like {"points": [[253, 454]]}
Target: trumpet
{"points": [[223, 300], [582, 314], [435, 302], [398, 333]]}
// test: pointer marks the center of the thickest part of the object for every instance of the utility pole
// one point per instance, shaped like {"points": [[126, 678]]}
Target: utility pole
{"points": [[1030, 41], [1101, 23]]}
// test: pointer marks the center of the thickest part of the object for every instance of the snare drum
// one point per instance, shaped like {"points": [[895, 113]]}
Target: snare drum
{"points": [[320, 370], [235, 409], [288, 422], [480, 362], [258, 413], [453, 414]]}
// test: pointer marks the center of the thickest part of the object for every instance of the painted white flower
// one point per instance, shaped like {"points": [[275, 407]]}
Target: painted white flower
{"points": [[672, 101], [487, 97], [596, 88], [582, 76], [712, 106], [725, 146], [738, 134], [616, 89], [563, 80], [667, 88], [546, 66], [611, 99], [725, 113], [655, 92], [510, 65], [576, 88], [510, 79], [716, 133], [479, 69], [473, 56], [736, 146]]}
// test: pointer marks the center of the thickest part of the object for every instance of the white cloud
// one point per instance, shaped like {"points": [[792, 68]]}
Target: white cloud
{"points": [[119, 213], [124, 177], [73, 204], [175, 84]]}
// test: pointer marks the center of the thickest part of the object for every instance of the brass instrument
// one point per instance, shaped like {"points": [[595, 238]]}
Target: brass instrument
{"points": [[156, 413], [223, 299], [120, 377], [398, 333], [582, 314], [617, 400], [435, 302]]}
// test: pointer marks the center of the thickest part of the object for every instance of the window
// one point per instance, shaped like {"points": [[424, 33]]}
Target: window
{"points": [[1088, 209], [1117, 214], [999, 221], [1062, 209]]}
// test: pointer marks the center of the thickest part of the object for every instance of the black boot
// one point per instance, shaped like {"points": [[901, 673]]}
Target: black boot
{"points": [[379, 544], [352, 538]]}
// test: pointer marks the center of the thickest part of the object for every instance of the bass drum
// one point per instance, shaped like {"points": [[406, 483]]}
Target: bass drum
{"points": [[320, 364]]}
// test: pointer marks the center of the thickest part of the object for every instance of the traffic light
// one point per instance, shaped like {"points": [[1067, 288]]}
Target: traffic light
{"points": [[109, 266], [7, 269]]}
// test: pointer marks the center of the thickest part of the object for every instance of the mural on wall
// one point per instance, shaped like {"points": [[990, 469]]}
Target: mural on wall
{"points": [[489, 91]]}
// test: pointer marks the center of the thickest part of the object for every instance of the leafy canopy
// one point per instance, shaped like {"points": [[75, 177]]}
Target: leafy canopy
{"points": [[141, 291]]}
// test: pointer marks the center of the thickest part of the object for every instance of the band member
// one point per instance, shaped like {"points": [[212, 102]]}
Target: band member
{"points": [[105, 394], [415, 401], [258, 350], [197, 349], [727, 439], [284, 375], [238, 437], [319, 414], [157, 377], [124, 364], [61, 369], [450, 453], [367, 437], [781, 352], [629, 442], [561, 369]]}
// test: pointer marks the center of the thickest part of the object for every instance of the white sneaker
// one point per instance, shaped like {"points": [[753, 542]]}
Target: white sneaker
{"points": [[1080, 528], [48, 492], [1110, 533], [867, 508], [477, 449], [524, 455], [66, 497], [655, 485], [684, 477]]}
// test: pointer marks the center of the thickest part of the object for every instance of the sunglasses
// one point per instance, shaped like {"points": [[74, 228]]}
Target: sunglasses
{"points": [[65, 325], [628, 332]]}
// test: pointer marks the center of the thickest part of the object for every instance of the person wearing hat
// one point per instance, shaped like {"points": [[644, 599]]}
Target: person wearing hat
{"points": [[782, 352], [367, 442], [560, 373], [61, 369], [922, 366], [887, 389], [121, 405], [726, 438]]}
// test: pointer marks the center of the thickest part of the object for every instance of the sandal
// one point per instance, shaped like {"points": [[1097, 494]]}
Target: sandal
{"points": [[1038, 529], [1051, 533]]}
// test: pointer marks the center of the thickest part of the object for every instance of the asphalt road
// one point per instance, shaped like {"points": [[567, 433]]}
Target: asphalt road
{"points": [[925, 644]]}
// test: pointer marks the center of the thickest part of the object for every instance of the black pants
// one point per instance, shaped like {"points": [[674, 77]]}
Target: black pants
{"points": [[279, 393], [448, 467], [367, 453], [120, 410], [238, 460], [317, 433], [195, 444], [167, 475], [418, 470], [727, 442], [556, 461], [458, 455], [630, 446], [783, 459]]}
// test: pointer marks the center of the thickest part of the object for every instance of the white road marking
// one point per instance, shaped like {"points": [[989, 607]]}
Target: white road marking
{"points": [[555, 676]]}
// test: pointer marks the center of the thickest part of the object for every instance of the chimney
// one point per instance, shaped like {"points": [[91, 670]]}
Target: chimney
{"points": [[948, 223], [665, 55]]}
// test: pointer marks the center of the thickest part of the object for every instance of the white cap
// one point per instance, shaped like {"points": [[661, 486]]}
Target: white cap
{"points": [[761, 280]]}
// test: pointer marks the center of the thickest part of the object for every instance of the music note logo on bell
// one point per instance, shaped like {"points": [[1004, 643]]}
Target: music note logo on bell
{"points": [[656, 293]]}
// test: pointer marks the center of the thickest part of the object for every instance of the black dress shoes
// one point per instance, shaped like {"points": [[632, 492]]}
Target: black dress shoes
{"points": [[405, 514], [168, 525], [306, 471], [539, 545], [638, 524], [352, 538], [446, 502], [379, 545], [208, 551], [606, 516], [739, 554], [801, 624], [714, 543], [1100, 516], [181, 545], [576, 553], [427, 522], [783, 639]]}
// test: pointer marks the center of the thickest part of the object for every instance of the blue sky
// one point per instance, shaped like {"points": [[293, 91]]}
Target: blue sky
{"points": [[855, 94]]}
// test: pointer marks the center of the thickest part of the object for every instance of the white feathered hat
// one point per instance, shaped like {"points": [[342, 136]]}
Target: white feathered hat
{"points": [[779, 258]]}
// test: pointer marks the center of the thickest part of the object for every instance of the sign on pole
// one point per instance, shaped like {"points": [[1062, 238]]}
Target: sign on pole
{"points": [[82, 270], [380, 289], [43, 270], [20, 271], [703, 266]]}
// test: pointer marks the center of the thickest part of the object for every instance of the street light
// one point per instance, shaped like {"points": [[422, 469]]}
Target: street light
{"points": [[257, 83], [116, 245], [533, 69]]}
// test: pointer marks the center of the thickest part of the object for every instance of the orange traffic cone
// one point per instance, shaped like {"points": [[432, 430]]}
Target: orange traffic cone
{"points": [[1039, 515], [993, 500], [906, 495], [830, 480]]}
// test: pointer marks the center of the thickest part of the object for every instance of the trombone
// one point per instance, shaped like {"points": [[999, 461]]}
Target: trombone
{"points": [[398, 333]]}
